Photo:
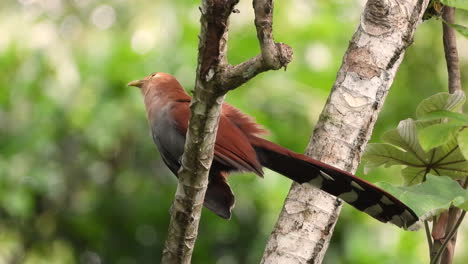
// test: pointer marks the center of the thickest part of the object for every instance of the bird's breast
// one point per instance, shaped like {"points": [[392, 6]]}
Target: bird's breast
{"points": [[169, 141]]}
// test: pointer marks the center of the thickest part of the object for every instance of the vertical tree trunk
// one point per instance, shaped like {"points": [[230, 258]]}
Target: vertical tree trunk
{"points": [[203, 126], [215, 77], [306, 222]]}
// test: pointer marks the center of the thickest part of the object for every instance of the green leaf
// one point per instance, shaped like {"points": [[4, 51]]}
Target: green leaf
{"points": [[462, 4], [420, 124], [431, 197], [405, 137], [448, 152], [440, 114], [438, 134], [441, 101], [413, 175], [463, 142], [461, 29], [377, 154], [449, 161], [457, 170]]}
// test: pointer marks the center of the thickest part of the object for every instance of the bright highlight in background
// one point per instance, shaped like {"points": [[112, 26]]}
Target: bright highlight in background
{"points": [[143, 41], [103, 16]]}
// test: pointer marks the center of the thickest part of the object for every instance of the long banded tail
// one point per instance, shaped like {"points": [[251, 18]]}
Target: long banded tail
{"points": [[357, 192]]}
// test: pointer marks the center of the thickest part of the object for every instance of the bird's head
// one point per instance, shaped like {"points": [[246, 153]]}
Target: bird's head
{"points": [[157, 80], [160, 85]]}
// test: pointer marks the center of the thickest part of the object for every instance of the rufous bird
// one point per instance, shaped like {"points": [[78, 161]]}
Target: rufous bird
{"points": [[238, 147]]}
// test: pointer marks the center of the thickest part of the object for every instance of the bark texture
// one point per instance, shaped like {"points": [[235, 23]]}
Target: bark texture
{"points": [[201, 135], [307, 220], [215, 77]]}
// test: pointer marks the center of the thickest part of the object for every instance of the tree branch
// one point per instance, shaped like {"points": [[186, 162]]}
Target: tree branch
{"points": [[215, 77], [273, 55], [306, 222], [444, 244], [451, 234], [450, 49]]}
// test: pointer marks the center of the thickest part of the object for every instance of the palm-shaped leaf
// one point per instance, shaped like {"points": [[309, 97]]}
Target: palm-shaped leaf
{"points": [[438, 134], [405, 136], [441, 114], [413, 175], [463, 142], [431, 197], [377, 154], [441, 101]]}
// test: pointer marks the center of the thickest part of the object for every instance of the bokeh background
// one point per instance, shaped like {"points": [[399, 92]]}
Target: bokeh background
{"points": [[80, 179]]}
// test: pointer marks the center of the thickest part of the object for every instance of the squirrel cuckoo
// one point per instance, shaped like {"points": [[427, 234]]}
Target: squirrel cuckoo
{"points": [[238, 148]]}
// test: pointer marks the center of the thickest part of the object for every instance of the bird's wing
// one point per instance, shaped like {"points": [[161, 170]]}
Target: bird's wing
{"points": [[244, 122], [232, 148]]}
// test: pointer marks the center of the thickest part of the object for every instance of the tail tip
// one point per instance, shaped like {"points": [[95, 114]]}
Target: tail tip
{"points": [[415, 226], [406, 220]]}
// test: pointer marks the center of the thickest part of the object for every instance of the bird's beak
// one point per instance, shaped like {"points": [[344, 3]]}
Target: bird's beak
{"points": [[136, 83]]}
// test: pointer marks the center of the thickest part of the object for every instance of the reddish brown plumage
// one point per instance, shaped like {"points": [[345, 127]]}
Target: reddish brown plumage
{"points": [[244, 122], [238, 148]]}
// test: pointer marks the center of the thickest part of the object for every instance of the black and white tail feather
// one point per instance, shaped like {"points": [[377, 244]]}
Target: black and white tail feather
{"points": [[357, 192]]}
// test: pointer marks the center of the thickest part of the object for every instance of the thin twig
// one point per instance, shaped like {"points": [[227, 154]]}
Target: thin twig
{"points": [[450, 222], [273, 55], [448, 238], [450, 49], [428, 235], [426, 224]]}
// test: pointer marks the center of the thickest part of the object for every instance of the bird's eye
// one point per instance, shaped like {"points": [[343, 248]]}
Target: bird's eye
{"points": [[154, 75]]}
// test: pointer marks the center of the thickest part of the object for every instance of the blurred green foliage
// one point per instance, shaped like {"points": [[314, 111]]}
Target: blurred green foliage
{"points": [[80, 179]]}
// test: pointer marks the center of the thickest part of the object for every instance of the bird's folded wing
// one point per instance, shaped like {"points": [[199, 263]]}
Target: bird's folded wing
{"points": [[232, 148]]}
